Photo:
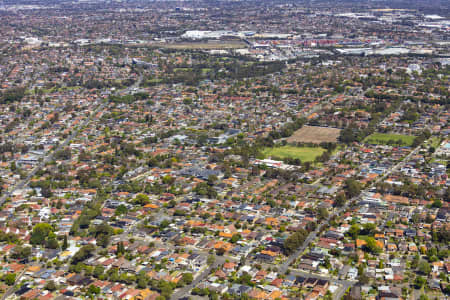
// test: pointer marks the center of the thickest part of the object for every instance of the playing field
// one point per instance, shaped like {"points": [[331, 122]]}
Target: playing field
{"points": [[314, 134], [390, 139], [303, 153]]}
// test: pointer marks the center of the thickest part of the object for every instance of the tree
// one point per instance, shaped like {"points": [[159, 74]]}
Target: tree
{"points": [[340, 200], [164, 223], [179, 212], [242, 260], [235, 238], [102, 229], [113, 274], [84, 252], [103, 240], [348, 135], [363, 278], [415, 261], [120, 248], [352, 188], [294, 241], [167, 179], [46, 192], [354, 231], [415, 218], [443, 254], [213, 295], [211, 259], [121, 210], [187, 278], [432, 254], [220, 251], [212, 179], [322, 213], [98, 271], [40, 233], [419, 282], [204, 189], [93, 290], [142, 199], [443, 235], [63, 154], [142, 280], [13, 95], [372, 246], [51, 286], [245, 278], [326, 263], [52, 242], [10, 278], [102, 232], [369, 229], [142, 283], [447, 289], [65, 243], [20, 252], [218, 217], [165, 289], [437, 203], [424, 267]]}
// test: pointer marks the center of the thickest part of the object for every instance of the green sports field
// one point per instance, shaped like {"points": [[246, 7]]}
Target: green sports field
{"points": [[303, 153], [390, 139]]}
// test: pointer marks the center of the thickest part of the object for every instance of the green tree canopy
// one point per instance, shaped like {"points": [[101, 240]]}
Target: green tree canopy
{"points": [[352, 188], [142, 199], [84, 252], [372, 246], [294, 241], [40, 233], [424, 267], [10, 278]]}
